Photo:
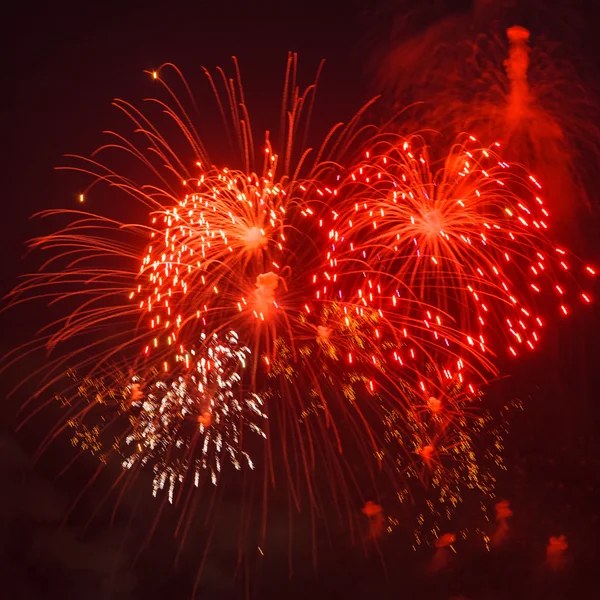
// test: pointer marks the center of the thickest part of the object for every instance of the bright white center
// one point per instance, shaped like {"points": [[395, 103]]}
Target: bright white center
{"points": [[254, 238], [432, 222]]}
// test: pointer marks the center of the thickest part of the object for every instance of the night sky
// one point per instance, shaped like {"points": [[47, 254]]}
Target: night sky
{"points": [[63, 64]]}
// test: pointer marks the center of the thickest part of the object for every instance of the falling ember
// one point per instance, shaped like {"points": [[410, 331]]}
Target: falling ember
{"points": [[503, 513], [266, 284], [434, 404], [441, 557], [324, 332], [205, 419], [427, 454], [374, 513], [555, 552], [136, 393]]}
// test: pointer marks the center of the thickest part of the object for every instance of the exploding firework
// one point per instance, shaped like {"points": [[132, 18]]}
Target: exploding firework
{"points": [[469, 238], [363, 290], [221, 253], [194, 421], [209, 249], [216, 249], [203, 249], [179, 425]]}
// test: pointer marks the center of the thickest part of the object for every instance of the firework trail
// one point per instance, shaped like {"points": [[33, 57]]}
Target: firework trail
{"points": [[478, 73]]}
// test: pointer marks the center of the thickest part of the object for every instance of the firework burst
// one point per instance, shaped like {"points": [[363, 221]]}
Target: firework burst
{"points": [[207, 249], [343, 305], [178, 425], [195, 419], [469, 238], [203, 249]]}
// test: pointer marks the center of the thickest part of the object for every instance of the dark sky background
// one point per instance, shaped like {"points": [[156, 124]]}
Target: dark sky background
{"points": [[63, 64]]}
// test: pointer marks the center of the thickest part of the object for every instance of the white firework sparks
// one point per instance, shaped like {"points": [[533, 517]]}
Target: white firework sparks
{"points": [[194, 421]]}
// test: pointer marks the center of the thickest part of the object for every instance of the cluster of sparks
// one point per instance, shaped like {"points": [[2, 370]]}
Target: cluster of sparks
{"points": [[181, 426], [195, 419], [470, 239], [231, 224], [459, 444], [373, 295]]}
